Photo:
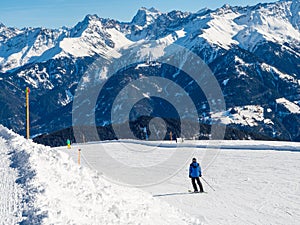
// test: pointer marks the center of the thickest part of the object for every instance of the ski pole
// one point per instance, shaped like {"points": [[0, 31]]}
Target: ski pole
{"points": [[208, 184]]}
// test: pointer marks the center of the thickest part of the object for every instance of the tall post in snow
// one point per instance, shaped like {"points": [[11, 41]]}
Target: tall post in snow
{"points": [[27, 91], [79, 156]]}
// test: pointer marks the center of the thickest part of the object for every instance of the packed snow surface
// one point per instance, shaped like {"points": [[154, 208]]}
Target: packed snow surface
{"points": [[40, 185], [255, 182]]}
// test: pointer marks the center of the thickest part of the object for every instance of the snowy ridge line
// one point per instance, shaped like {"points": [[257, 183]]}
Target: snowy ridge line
{"points": [[214, 144], [224, 27]]}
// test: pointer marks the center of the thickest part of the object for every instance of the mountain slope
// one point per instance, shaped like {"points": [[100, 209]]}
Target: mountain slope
{"points": [[253, 52]]}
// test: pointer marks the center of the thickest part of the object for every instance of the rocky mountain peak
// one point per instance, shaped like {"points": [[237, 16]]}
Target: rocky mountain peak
{"points": [[145, 16], [91, 17]]}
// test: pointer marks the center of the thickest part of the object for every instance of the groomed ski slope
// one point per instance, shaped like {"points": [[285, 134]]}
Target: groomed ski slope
{"points": [[40, 185], [255, 183]]}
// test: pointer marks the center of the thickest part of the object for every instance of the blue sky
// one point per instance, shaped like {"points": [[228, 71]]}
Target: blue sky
{"points": [[57, 13]]}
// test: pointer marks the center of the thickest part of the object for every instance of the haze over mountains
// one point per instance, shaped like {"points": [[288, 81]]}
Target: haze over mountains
{"points": [[254, 52]]}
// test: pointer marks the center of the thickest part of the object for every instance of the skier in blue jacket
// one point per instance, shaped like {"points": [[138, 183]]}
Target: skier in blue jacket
{"points": [[194, 174]]}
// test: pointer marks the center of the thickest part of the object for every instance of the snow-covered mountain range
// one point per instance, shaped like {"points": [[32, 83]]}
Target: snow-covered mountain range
{"points": [[253, 51]]}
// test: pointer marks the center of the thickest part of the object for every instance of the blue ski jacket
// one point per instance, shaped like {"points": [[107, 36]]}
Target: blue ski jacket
{"points": [[195, 170]]}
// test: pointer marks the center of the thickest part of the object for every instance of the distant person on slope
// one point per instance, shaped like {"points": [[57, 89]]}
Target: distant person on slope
{"points": [[194, 174]]}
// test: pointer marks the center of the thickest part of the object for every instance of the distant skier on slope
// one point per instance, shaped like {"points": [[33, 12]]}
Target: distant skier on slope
{"points": [[194, 174]]}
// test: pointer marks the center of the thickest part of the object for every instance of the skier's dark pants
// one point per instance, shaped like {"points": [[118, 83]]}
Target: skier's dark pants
{"points": [[198, 182]]}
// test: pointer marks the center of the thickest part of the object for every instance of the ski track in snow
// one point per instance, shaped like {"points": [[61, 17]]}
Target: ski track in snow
{"points": [[18, 191], [9, 190]]}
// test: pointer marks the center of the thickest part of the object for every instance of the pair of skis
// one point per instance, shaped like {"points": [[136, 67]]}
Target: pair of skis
{"points": [[197, 192]]}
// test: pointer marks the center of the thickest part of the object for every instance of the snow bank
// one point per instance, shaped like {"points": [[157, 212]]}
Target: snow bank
{"points": [[50, 188], [10, 191]]}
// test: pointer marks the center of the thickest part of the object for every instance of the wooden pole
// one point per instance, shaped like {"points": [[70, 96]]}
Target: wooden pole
{"points": [[79, 151], [27, 114]]}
